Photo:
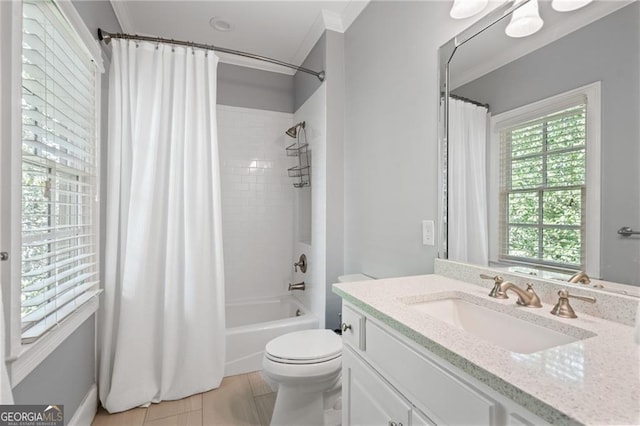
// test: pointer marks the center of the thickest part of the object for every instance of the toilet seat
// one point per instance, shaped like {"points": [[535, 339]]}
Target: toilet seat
{"points": [[304, 347]]}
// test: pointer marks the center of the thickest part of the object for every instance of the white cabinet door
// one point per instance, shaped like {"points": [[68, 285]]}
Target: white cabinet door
{"points": [[367, 399]]}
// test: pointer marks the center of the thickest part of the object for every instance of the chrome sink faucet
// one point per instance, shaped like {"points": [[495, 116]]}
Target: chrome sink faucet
{"points": [[527, 298]]}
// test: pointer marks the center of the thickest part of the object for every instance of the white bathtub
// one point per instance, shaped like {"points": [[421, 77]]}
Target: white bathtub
{"points": [[251, 324]]}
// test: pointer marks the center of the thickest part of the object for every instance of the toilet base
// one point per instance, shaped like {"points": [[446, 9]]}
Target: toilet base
{"points": [[295, 407]]}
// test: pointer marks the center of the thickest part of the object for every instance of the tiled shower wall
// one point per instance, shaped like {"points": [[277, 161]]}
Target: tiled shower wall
{"points": [[257, 202]]}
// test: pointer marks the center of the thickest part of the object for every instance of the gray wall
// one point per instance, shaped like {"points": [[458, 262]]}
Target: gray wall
{"points": [[253, 88], [391, 138], [335, 83], [65, 376], [306, 84], [607, 51]]}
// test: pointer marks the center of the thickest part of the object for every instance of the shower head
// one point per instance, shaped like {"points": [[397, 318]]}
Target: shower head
{"points": [[293, 131]]}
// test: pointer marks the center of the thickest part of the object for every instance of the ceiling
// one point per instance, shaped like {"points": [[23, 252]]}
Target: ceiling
{"points": [[283, 30]]}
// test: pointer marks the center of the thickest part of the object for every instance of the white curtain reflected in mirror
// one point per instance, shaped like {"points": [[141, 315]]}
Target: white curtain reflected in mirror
{"points": [[468, 225]]}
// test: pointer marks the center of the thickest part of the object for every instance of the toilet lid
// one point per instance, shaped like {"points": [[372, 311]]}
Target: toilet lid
{"points": [[306, 346]]}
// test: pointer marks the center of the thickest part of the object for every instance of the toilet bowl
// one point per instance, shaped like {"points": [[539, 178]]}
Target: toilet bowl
{"points": [[306, 368], [306, 365]]}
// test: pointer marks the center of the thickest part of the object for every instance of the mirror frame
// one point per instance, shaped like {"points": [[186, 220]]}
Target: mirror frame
{"points": [[446, 54]]}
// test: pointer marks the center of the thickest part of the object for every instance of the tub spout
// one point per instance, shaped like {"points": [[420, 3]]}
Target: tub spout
{"points": [[298, 286]]}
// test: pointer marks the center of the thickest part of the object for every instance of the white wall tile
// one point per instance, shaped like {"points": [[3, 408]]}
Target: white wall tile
{"points": [[257, 204]]}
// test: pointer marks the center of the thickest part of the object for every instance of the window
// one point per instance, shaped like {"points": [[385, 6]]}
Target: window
{"points": [[59, 170], [549, 173]]}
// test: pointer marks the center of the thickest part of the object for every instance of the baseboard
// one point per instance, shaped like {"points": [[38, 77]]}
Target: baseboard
{"points": [[87, 410]]}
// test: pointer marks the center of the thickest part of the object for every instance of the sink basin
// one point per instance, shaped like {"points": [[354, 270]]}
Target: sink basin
{"points": [[507, 331]]}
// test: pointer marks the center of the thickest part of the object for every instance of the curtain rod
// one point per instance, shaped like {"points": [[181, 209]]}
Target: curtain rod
{"points": [[462, 98], [107, 37]]}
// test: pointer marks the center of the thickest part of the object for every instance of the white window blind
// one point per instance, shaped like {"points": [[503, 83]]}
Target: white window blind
{"points": [[59, 182], [543, 188]]}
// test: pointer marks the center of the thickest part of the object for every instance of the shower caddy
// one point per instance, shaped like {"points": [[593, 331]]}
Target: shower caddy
{"points": [[300, 148]]}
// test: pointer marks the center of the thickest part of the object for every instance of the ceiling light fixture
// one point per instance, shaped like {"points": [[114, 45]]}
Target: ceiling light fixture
{"points": [[568, 5], [525, 20], [220, 24], [467, 8]]}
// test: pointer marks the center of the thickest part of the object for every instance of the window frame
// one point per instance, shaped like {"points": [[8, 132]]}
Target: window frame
{"points": [[592, 92], [24, 358]]}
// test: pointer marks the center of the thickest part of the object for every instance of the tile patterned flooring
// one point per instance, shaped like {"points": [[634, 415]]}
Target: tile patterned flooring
{"points": [[245, 399]]}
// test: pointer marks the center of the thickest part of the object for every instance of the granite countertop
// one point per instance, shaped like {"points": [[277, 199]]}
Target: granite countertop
{"points": [[591, 381]]}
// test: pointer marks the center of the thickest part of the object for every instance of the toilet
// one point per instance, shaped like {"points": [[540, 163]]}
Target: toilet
{"points": [[306, 366]]}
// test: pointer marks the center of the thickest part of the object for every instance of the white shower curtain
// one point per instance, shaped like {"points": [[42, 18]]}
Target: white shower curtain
{"points": [[468, 233], [163, 331]]}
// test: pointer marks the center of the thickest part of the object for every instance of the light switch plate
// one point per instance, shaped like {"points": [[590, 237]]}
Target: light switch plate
{"points": [[428, 233]]}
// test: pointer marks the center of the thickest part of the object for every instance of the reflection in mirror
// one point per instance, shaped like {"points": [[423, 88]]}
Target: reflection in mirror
{"points": [[554, 174]]}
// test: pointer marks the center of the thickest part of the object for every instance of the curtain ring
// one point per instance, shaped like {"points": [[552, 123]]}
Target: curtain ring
{"points": [[137, 44], [157, 45], [193, 50]]}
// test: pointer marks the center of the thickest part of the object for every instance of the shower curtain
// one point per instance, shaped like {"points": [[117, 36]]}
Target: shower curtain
{"points": [[163, 331], [468, 223]]}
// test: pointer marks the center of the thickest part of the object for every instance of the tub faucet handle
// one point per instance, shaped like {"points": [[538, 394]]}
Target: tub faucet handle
{"points": [[302, 263]]}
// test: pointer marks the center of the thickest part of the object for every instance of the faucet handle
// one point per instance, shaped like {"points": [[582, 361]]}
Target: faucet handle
{"points": [[496, 291], [563, 309], [302, 263], [489, 277]]}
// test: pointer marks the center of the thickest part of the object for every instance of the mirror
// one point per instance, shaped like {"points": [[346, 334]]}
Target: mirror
{"points": [[598, 43]]}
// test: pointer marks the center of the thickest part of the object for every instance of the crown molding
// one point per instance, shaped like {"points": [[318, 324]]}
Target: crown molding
{"points": [[325, 20], [352, 11], [122, 15], [310, 40], [330, 21]]}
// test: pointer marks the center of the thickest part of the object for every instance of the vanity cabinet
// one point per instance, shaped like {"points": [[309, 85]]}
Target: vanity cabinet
{"points": [[368, 399], [388, 379]]}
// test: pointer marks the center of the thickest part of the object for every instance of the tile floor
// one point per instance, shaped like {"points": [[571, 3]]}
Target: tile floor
{"points": [[245, 399]]}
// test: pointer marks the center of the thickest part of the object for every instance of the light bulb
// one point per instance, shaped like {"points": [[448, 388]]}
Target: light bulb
{"points": [[466, 8], [525, 20], [568, 5]]}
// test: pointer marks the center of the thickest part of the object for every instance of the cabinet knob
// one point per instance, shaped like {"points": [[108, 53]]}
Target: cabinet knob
{"points": [[346, 327]]}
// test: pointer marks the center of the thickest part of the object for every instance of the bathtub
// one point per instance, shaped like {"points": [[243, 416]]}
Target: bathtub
{"points": [[251, 324]]}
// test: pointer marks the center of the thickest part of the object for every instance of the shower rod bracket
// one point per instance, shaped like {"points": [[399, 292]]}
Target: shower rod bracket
{"points": [[106, 37]]}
